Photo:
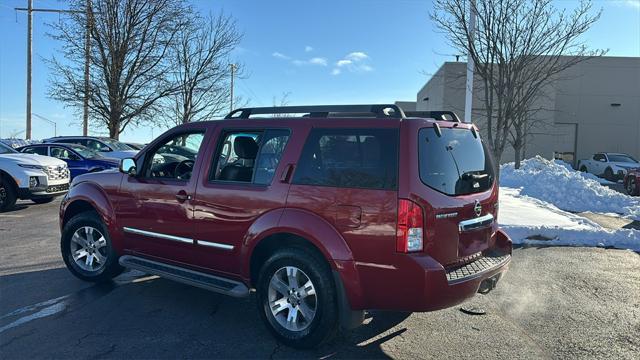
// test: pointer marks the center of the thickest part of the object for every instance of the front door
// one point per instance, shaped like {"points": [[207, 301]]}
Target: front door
{"points": [[74, 162], [156, 208], [241, 184]]}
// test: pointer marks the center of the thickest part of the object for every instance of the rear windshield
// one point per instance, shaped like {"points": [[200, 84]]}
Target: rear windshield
{"points": [[455, 163]]}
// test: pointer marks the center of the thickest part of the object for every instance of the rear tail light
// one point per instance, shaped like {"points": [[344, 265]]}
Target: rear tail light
{"points": [[409, 233]]}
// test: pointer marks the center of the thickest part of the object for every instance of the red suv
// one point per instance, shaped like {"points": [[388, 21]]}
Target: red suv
{"points": [[324, 214]]}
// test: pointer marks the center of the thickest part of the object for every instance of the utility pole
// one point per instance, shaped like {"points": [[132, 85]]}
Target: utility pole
{"points": [[233, 72], [87, 58], [30, 10], [468, 101], [29, 53]]}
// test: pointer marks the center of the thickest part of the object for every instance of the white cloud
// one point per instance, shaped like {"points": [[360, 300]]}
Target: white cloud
{"points": [[308, 48], [357, 56], [356, 61], [280, 56], [318, 61], [313, 61]]}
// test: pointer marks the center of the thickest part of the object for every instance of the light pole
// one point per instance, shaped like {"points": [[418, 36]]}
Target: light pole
{"points": [[468, 100], [55, 125]]}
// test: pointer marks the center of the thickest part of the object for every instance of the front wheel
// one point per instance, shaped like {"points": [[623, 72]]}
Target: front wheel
{"points": [[608, 174], [583, 169], [297, 298], [86, 248], [8, 194], [632, 187]]}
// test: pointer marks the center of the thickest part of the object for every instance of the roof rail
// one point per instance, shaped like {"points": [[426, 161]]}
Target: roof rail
{"points": [[438, 115], [322, 111]]}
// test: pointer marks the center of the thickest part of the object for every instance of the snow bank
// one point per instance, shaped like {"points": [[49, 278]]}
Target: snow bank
{"points": [[566, 188], [533, 221]]}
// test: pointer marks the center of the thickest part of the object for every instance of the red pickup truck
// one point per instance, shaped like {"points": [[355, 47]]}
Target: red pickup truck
{"points": [[325, 214]]}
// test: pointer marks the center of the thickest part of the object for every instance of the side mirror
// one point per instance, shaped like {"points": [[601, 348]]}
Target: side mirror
{"points": [[128, 166]]}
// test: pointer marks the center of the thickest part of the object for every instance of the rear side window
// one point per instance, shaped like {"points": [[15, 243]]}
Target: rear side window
{"points": [[455, 163], [350, 158], [40, 150]]}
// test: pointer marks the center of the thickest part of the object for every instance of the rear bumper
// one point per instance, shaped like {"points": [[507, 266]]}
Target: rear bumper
{"points": [[419, 283]]}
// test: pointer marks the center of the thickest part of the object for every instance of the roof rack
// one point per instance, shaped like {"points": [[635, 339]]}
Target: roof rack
{"points": [[438, 115], [322, 111]]}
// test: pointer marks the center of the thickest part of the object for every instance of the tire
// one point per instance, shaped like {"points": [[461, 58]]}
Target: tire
{"points": [[632, 186], [323, 323], [8, 195], [99, 249], [608, 174], [43, 200], [583, 169]]}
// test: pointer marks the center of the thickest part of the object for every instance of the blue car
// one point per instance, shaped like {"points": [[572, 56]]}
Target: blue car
{"points": [[80, 159]]}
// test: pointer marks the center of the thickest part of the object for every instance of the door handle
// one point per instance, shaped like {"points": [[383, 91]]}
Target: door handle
{"points": [[183, 196], [286, 174]]}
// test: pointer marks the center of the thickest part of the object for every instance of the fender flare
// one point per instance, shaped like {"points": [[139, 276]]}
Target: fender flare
{"points": [[95, 196], [319, 232]]}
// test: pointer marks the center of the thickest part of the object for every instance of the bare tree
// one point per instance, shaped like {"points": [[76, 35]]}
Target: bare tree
{"points": [[519, 47], [130, 41], [201, 68]]}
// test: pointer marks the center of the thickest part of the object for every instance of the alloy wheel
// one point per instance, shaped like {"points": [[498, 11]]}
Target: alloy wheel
{"points": [[88, 249], [292, 298]]}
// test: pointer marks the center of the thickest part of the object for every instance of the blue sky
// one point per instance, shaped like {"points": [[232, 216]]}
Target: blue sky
{"points": [[320, 52]]}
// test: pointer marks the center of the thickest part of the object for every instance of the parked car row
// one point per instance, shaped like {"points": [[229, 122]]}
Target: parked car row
{"points": [[42, 171], [611, 166]]}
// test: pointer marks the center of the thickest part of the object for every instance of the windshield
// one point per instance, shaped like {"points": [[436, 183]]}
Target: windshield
{"points": [[116, 145], [621, 158], [455, 163], [84, 151], [6, 149]]}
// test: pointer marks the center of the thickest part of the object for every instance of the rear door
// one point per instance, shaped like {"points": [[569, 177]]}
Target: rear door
{"points": [[349, 176], [451, 175], [239, 183]]}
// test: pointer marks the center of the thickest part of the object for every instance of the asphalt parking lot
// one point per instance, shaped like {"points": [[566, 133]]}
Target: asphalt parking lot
{"points": [[553, 303]]}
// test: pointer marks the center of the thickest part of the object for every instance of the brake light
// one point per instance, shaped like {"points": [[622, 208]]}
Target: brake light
{"points": [[410, 228]]}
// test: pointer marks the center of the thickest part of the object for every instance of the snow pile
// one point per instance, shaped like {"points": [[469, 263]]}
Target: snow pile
{"points": [[583, 174], [567, 189], [532, 221]]}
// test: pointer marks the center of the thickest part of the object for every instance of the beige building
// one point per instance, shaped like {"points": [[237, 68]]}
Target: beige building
{"points": [[593, 107]]}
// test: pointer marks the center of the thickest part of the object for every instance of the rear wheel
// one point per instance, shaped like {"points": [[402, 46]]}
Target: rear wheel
{"points": [[43, 200], [87, 250], [297, 298], [632, 186], [8, 195], [583, 168]]}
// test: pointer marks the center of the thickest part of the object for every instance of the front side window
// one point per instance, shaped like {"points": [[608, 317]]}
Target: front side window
{"points": [[455, 162], [63, 154], [175, 158], [350, 158], [249, 156]]}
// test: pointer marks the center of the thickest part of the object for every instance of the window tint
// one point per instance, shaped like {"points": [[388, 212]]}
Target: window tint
{"points": [[39, 150], [175, 158], [63, 154], [621, 158], [94, 145], [454, 163], [249, 156], [599, 157], [351, 158]]}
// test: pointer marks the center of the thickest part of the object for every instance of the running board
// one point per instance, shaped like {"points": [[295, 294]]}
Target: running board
{"points": [[186, 276]]}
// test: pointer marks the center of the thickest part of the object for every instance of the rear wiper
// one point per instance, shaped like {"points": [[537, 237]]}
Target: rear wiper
{"points": [[470, 175]]}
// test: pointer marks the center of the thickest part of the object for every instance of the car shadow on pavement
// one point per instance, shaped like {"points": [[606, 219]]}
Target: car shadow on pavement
{"points": [[49, 313]]}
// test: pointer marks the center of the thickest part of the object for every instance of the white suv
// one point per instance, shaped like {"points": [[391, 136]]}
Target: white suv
{"points": [[26, 176]]}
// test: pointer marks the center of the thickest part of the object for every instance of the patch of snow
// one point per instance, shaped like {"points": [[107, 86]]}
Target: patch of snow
{"points": [[566, 188], [528, 220]]}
